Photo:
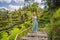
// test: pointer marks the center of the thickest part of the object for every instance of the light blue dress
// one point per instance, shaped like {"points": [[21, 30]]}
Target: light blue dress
{"points": [[35, 24]]}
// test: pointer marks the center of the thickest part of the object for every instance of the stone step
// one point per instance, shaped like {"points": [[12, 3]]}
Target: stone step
{"points": [[39, 34], [33, 38], [36, 36]]}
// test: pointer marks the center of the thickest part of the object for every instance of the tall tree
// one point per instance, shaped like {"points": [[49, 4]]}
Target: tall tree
{"points": [[53, 4]]}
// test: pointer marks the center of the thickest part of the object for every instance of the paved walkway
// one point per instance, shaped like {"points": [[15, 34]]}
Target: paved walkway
{"points": [[36, 36]]}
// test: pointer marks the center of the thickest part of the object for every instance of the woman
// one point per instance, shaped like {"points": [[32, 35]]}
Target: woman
{"points": [[35, 23]]}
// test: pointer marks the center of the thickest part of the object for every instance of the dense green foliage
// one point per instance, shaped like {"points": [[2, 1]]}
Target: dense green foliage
{"points": [[56, 27], [53, 26], [4, 35]]}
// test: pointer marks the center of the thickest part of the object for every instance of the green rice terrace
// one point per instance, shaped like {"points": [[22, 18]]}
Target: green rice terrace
{"points": [[17, 25]]}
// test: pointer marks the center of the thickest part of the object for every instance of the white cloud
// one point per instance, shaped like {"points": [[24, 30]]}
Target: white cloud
{"points": [[38, 1], [42, 6], [8, 1], [19, 1], [12, 7]]}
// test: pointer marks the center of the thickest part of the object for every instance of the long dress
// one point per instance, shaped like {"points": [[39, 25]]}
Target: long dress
{"points": [[35, 24]]}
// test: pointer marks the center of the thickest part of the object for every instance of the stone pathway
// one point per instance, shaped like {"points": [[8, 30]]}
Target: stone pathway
{"points": [[36, 36]]}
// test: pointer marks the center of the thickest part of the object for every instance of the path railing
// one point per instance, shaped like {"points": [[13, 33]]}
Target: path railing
{"points": [[23, 33]]}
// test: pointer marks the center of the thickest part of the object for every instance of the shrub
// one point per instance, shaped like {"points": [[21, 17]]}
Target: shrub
{"points": [[4, 35], [13, 33]]}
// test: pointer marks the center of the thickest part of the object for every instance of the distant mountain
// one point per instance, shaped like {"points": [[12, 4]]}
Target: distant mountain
{"points": [[3, 9]]}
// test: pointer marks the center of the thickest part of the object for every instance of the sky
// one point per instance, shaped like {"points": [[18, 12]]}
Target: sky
{"points": [[16, 4]]}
